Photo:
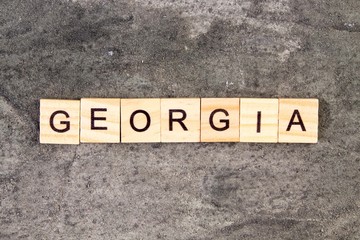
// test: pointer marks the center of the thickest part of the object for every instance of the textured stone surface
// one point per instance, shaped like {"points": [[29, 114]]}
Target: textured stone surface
{"points": [[164, 48]]}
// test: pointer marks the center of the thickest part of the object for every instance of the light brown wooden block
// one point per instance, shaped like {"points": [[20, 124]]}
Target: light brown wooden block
{"points": [[259, 120], [220, 119], [298, 120], [59, 121], [100, 120], [140, 120], [185, 113]]}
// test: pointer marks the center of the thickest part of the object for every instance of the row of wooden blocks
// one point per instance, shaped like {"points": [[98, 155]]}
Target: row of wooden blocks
{"points": [[114, 120]]}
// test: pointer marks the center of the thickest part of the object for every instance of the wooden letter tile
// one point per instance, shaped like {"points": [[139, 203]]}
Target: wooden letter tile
{"points": [[259, 120], [140, 120], [220, 119], [100, 120], [180, 120], [298, 120], [59, 121]]}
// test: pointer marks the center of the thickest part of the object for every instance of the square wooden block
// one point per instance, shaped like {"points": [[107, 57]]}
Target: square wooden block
{"points": [[259, 120], [100, 120], [180, 120], [140, 120], [298, 120], [220, 119], [59, 121]]}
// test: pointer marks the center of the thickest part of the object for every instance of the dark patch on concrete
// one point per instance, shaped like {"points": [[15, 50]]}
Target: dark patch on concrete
{"points": [[256, 9], [325, 118]]}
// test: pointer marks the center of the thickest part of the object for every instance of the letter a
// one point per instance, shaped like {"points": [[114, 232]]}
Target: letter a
{"points": [[300, 122]]}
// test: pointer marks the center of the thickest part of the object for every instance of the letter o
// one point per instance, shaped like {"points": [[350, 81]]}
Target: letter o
{"points": [[148, 121]]}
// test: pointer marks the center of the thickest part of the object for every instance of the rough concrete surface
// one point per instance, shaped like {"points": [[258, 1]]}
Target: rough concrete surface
{"points": [[185, 48]]}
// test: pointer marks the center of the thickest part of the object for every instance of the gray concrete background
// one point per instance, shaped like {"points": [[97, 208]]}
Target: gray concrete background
{"points": [[185, 48]]}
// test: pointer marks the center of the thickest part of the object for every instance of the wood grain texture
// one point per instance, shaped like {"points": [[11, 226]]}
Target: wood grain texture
{"points": [[146, 128], [307, 109], [223, 114], [179, 106], [108, 108], [258, 120], [60, 120]]}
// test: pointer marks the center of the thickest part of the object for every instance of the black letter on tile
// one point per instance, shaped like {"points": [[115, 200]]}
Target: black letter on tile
{"points": [[300, 122], [226, 121], [93, 118], [148, 121], [179, 120], [67, 123], [258, 125]]}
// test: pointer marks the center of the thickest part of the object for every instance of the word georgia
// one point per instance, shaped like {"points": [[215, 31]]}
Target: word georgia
{"points": [[115, 120]]}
